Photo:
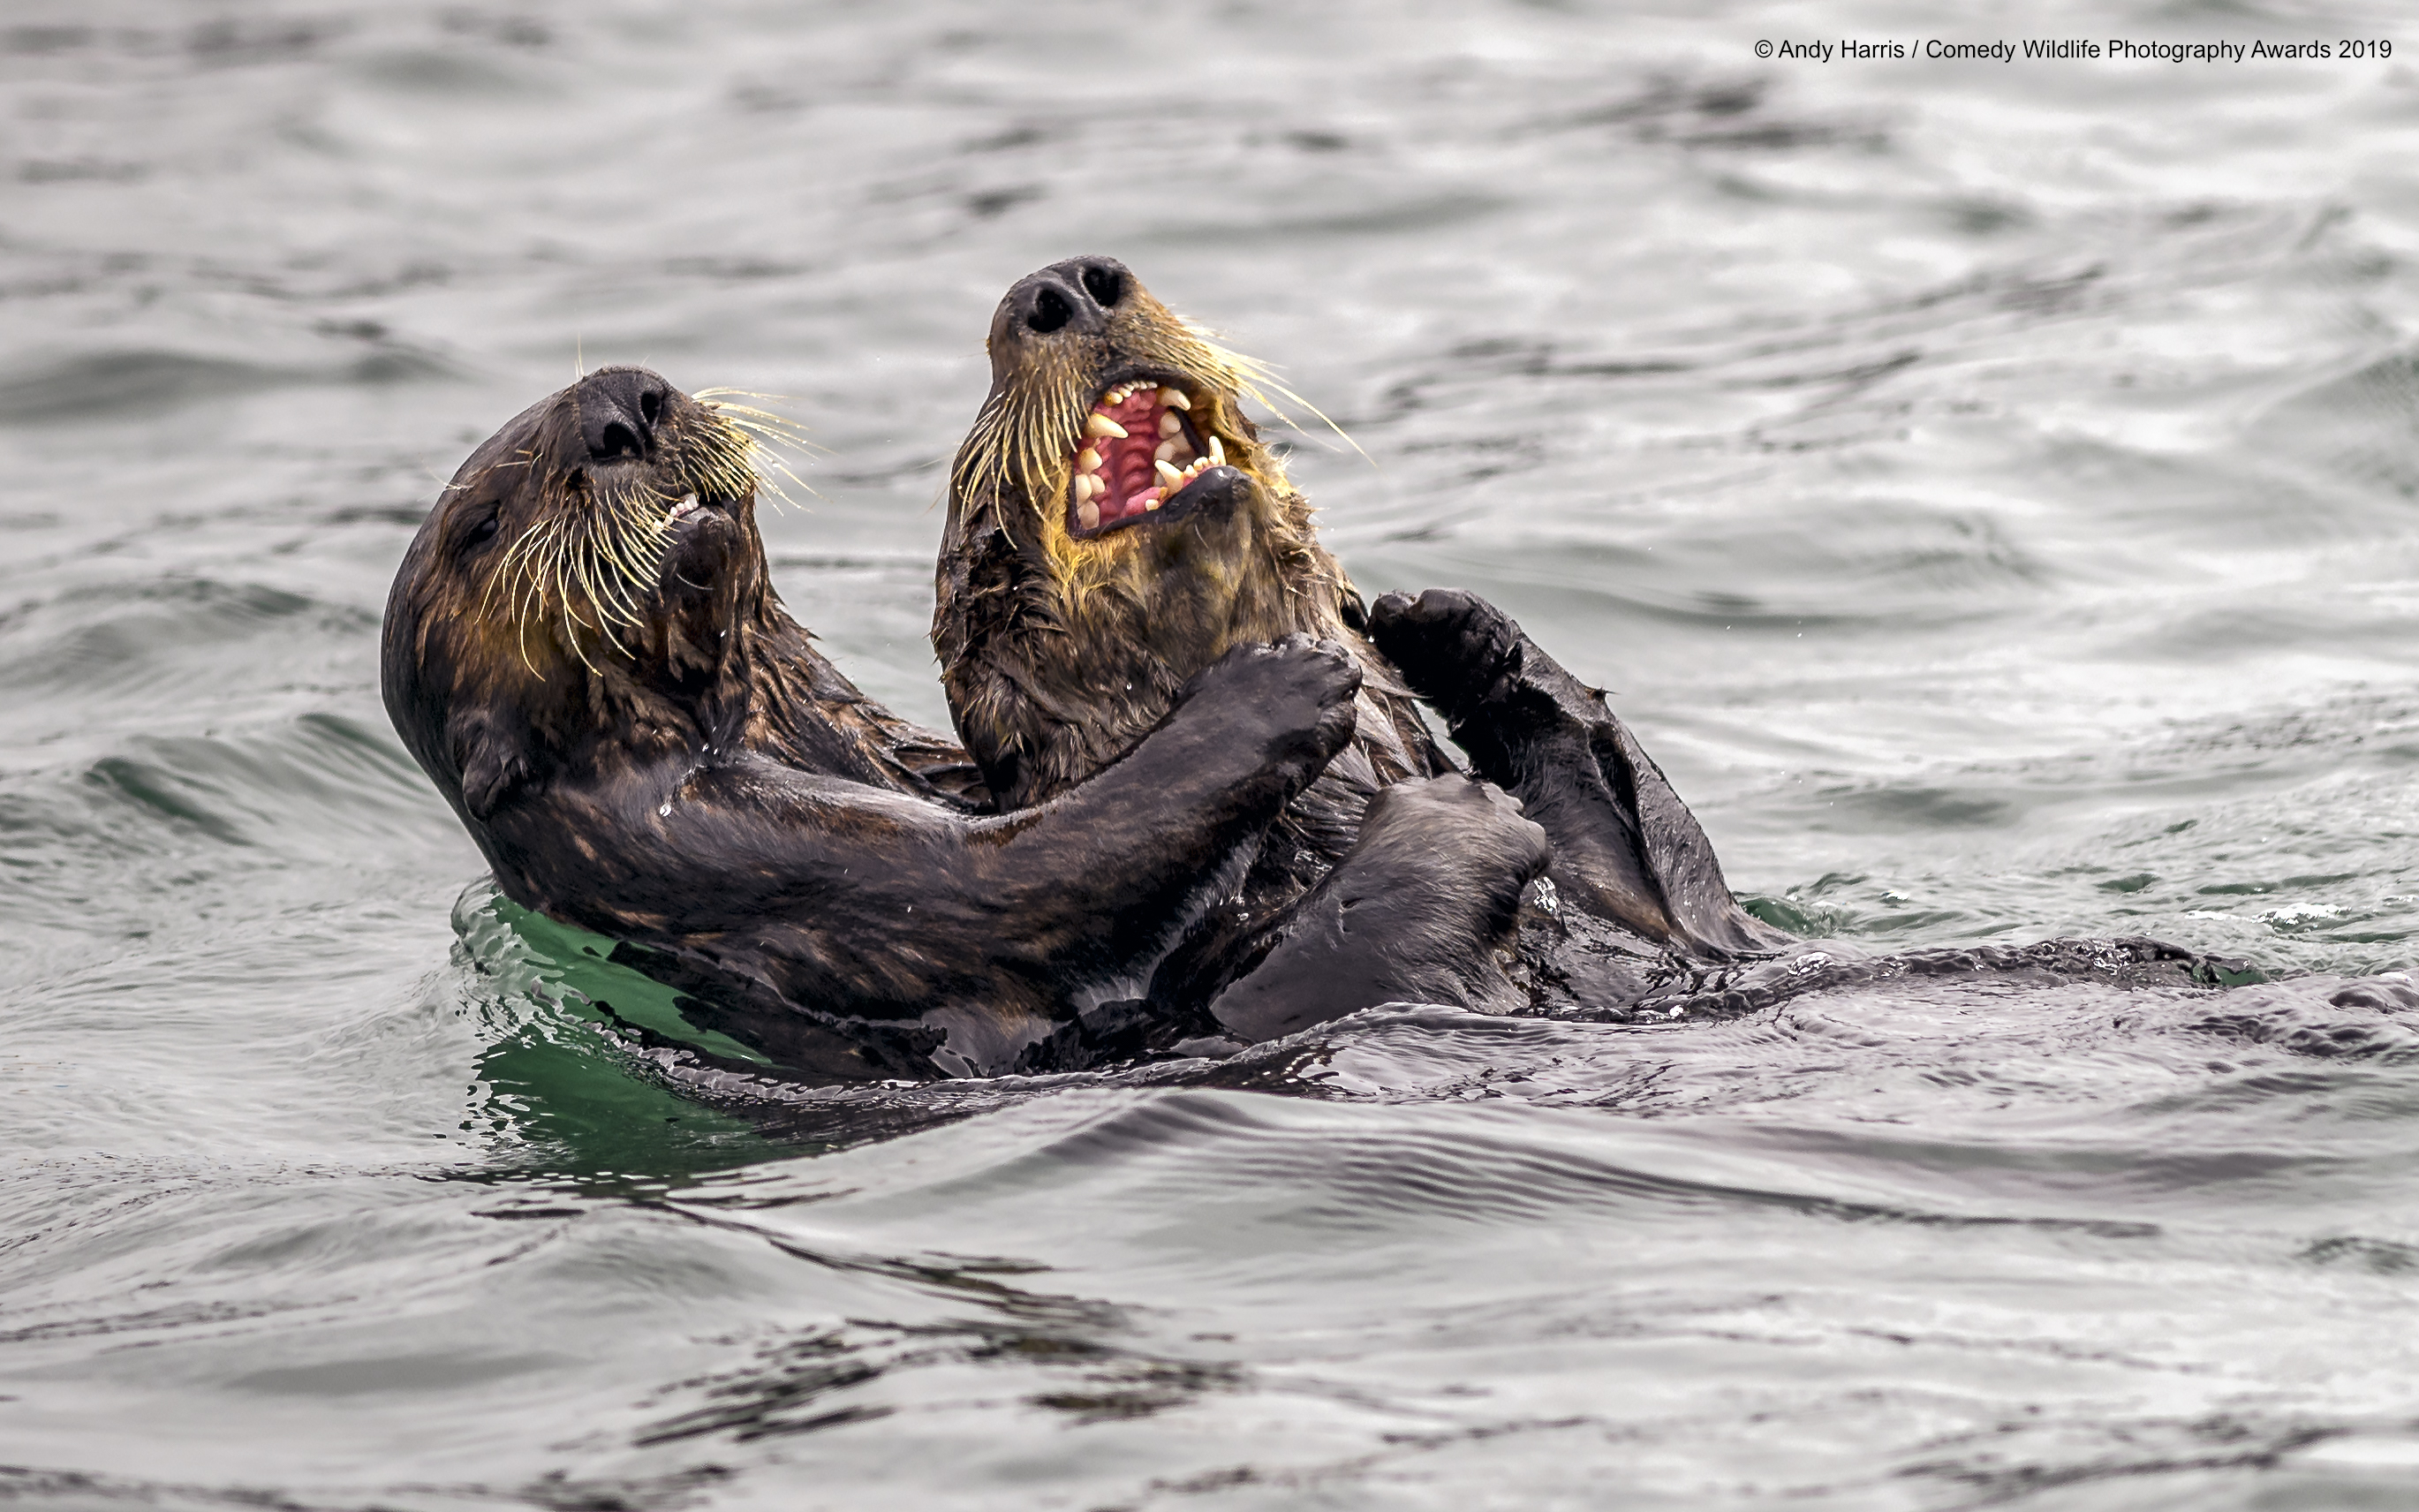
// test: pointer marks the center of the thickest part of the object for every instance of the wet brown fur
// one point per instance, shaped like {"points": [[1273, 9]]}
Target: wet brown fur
{"points": [[1058, 652], [643, 743], [559, 624], [1058, 648]]}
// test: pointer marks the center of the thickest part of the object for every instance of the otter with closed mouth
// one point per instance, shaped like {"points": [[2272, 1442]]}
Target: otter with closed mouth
{"points": [[584, 650], [1115, 522]]}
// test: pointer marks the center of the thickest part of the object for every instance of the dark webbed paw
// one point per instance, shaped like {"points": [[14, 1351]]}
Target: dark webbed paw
{"points": [[1454, 648], [1420, 910], [1297, 696], [1508, 705], [1626, 848], [1511, 706], [1495, 851]]}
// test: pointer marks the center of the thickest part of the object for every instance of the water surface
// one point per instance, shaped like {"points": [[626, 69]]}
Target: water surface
{"points": [[1986, 487]]}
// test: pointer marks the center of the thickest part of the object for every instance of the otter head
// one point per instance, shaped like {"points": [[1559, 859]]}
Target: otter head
{"points": [[585, 583], [1113, 440]]}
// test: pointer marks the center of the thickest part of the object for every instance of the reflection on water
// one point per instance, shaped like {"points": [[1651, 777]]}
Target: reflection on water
{"points": [[1985, 487]]}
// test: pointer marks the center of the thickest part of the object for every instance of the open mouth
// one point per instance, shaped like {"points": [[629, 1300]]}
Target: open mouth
{"points": [[692, 504], [1140, 448]]}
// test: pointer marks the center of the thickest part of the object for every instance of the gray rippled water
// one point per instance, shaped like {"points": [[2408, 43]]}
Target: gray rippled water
{"points": [[1987, 488]]}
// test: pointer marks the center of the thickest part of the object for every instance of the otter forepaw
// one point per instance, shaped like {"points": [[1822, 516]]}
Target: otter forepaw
{"points": [[1474, 821], [1421, 910], [1299, 690], [1453, 647], [1513, 708]]}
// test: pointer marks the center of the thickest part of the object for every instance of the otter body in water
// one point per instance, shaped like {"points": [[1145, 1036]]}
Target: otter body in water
{"points": [[1116, 523], [584, 652]]}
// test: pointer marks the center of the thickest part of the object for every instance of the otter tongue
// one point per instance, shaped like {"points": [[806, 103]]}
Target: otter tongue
{"points": [[1127, 480]]}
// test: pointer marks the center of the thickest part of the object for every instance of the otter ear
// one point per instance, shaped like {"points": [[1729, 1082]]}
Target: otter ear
{"points": [[492, 760]]}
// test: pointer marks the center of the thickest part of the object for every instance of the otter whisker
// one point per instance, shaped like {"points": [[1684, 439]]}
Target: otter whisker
{"points": [[588, 564], [765, 422], [571, 635], [1019, 454], [771, 423], [736, 455], [606, 590]]}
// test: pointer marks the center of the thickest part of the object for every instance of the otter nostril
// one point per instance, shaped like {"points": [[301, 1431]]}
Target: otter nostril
{"points": [[651, 408], [617, 440], [1103, 284], [1050, 310]]}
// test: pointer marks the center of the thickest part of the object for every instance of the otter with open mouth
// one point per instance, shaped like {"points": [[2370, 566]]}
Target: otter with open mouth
{"points": [[1115, 522], [584, 650]]}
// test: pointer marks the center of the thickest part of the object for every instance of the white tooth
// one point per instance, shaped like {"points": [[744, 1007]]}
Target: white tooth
{"points": [[1088, 460], [1088, 517], [1175, 398], [1170, 425], [1084, 484], [1100, 425], [1167, 474], [1167, 451], [1217, 453], [1151, 502]]}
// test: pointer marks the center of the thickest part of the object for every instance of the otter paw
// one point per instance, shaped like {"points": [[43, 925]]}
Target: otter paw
{"points": [[1476, 822], [1453, 647], [1299, 692], [1420, 910]]}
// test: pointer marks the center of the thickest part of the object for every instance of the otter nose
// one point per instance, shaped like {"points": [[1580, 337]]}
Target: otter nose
{"points": [[619, 409], [1077, 294]]}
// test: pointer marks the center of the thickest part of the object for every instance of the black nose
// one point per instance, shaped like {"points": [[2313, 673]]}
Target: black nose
{"points": [[619, 411], [1077, 294]]}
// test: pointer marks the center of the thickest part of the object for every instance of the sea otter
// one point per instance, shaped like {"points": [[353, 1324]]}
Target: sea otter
{"points": [[1115, 524], [584, 652]]}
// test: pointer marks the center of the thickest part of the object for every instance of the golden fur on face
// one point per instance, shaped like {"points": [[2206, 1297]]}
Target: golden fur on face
{"points": [[586, 548], [1088, 570], [1016, 463]]}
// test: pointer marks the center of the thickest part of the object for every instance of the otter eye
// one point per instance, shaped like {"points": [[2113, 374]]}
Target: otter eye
{"points": [[484, 531], [1050, 310], [1103, 286]]}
